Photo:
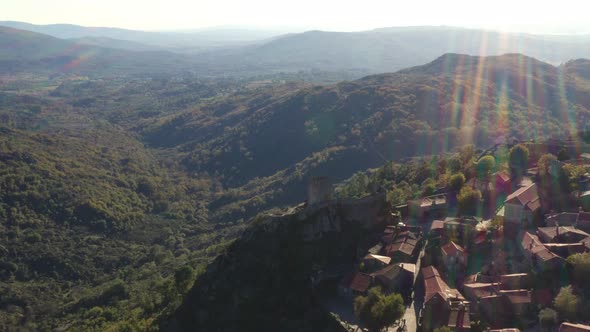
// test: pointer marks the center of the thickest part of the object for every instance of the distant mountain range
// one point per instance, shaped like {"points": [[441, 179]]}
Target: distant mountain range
{"points": [[25, 51], [241, 52], [180, 41]]}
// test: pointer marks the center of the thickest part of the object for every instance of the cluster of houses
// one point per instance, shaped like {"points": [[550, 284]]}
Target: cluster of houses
{"points": [[390, 263], [460, 270]]}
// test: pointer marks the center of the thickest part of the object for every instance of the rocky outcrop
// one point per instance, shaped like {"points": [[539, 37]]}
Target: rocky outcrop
{"points": [[264, 280]]}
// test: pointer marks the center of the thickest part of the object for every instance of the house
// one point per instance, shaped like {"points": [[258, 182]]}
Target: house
{"points": [[521, 208], [355, 284], [426, 207], [567, 249], [397, 278], [403, 247], [479, 278], [570, 327], [454, 256], [520, 300], [502, 182], [461, 230], [561, 234], [459, 319], [474, 291], [537, 255], [515, 281], [505, 307], [562, 219], [436, 229], [496, 310], [443, 306], [373, 262]]}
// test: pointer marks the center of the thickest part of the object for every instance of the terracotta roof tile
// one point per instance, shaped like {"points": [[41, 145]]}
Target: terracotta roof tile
{"points": [[360, 282], [523, 195], [434, 285], [451, 249]]}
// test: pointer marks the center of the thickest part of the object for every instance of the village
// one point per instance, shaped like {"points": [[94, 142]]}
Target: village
{"points": [[503, 265]]}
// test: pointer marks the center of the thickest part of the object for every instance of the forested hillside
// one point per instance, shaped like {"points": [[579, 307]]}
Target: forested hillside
{"points": [[115, 192], [263, 146]]}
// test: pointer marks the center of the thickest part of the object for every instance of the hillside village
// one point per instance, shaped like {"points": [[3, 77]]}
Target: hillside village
{"points": [[505, 249]]}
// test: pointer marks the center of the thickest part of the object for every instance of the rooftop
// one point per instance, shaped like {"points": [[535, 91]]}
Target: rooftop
{"points": [[570, 327], [525, 195], [554, 231], [383, 259], [434, 285], [391, 272], [519, 296], [358, 282], [452, 249]]}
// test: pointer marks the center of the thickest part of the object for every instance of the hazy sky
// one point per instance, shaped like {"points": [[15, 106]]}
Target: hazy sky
{"points": [[551, 16]]}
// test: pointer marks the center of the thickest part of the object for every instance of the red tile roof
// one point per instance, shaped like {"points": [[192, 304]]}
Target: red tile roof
{"points": [[452, 249], [434, 285], [529, 241], [360, 282], [524, 196], [503, 176]]}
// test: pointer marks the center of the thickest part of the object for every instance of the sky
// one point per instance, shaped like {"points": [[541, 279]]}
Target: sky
{"points": [[540, 16]]}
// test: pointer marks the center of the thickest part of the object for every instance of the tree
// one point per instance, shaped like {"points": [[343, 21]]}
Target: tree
{"points": [[518, 158], [457, 181], [548, 318], [566, 303], [485, 166], [544, 163], [183, 278], [454, 164], [468, 200], [377, 311], [466, 153], [580, 268]]}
